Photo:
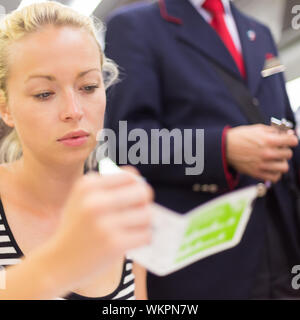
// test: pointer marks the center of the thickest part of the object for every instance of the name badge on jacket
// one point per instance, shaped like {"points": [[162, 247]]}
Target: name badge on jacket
{"points": [[272, 66]]}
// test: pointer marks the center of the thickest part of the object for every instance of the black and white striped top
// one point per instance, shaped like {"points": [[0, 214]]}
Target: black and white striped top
{"points": [[10, 254]]}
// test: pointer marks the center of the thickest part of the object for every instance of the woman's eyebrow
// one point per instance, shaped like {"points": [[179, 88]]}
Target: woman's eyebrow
{"points": [[81, 74], [52, 78]]}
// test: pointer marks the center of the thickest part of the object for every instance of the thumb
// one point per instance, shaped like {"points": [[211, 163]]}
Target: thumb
{"points": [[131, 169]]}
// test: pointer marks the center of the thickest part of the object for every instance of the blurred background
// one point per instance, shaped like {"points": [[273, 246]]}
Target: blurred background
{"points": [[279, 15]]}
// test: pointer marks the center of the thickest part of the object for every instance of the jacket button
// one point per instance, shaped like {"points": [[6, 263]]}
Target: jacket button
{"points": [[205, 188], [213, 188], [196, 187]]}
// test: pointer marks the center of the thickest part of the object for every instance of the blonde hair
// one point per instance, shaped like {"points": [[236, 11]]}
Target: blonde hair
{"points": [[30, 19]]}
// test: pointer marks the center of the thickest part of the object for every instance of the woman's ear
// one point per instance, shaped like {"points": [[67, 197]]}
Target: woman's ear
{"points": [[5, 113]]}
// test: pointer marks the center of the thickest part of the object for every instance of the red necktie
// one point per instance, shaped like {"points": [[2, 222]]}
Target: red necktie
{"points": [[215, 7]]}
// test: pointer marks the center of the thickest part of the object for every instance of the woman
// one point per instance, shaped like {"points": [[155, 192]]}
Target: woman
{"points": [[63, 234]]}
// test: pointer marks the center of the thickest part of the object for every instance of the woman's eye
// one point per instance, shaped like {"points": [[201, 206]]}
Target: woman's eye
{"points": [[43, 95], [90, 89]]}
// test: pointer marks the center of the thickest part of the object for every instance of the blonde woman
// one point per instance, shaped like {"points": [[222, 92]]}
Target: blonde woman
{"points": [[63, 234]]}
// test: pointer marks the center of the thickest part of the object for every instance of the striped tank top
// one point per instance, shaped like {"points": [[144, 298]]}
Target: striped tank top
{"points": [[10, 254]]}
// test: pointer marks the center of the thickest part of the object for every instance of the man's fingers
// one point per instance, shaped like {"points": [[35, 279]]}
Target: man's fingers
{"points": [[281, 140], [288, 140], [276, 154], [275, 166], [269, 176], [266, 128]]}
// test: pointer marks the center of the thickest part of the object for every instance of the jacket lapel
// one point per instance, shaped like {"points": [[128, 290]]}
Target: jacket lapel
{"points": [[253, 51], [199, 35]]}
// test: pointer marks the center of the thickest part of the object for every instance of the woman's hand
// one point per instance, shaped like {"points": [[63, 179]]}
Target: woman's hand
{"points": [[103, 217]]}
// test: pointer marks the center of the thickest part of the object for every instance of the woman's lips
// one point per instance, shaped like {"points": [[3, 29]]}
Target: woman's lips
{"points": [[74, 142]]}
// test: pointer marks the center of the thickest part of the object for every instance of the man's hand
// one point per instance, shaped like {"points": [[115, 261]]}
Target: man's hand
{"points": [[260, 151]]}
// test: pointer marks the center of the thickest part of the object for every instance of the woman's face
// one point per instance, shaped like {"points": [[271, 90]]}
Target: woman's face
{"points": [[54, 88]]}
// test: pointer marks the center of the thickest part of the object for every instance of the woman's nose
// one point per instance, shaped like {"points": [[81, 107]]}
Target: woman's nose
{"points": [[72, 109]]}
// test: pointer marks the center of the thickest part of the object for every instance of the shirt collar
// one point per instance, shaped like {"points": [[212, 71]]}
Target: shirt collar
{"points": [[199, 3]]}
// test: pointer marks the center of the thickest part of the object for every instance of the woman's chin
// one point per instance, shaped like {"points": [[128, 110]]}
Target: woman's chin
{"points": [[73, 158]]}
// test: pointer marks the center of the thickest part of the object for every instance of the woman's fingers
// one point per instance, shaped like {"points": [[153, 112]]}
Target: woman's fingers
{"points": [[125, 197], [137, 218], [137, 239], [93, 180], [132, 170]]}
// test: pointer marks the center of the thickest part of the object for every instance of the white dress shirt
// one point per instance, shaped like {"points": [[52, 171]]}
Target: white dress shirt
{"points": [[229, 20]]}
